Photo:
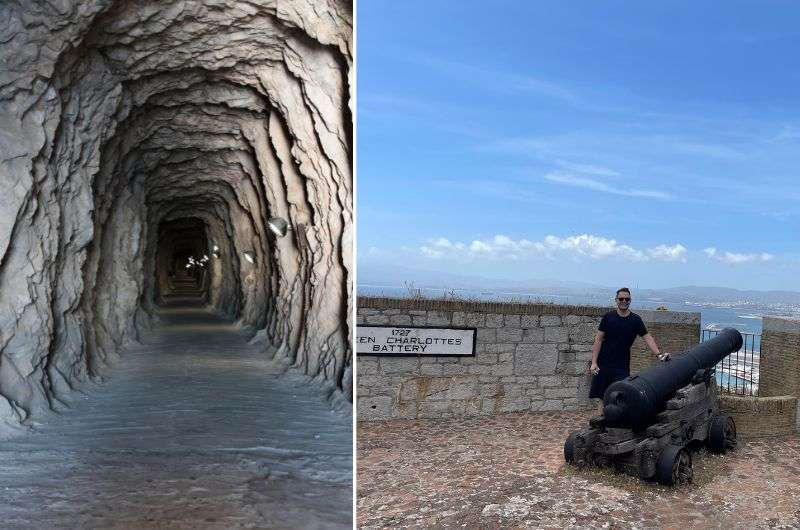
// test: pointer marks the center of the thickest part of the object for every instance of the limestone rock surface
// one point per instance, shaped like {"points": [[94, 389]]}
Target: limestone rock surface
{"points": [[136, 134]]}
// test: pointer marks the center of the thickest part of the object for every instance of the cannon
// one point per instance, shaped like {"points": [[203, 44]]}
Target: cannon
{"points": [[651, 419]]}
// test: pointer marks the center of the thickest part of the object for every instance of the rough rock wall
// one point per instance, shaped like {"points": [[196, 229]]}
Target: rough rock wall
{"points": [[118, 118]]}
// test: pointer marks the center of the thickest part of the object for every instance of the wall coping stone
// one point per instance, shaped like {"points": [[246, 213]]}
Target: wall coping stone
{"points": [[668, 317], [516, 308], [781, 325]]}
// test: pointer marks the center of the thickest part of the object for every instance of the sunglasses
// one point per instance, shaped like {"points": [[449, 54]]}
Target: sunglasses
{"points": [[624, 299]]}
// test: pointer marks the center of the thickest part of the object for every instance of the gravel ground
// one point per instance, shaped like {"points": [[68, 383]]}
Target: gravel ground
{"points": [[508, 471]]}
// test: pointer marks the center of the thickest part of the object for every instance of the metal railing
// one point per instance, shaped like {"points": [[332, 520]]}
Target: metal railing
{"points": [[738, 372]]}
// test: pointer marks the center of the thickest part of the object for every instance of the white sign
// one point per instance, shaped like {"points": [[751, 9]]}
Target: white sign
{"points": [[406, 340]]}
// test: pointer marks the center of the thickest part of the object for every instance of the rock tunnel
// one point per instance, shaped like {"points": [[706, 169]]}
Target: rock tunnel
{"points": [[176, 227], [138, 135]]}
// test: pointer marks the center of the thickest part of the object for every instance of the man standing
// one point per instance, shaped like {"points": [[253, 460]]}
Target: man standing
{"points": [[611, 351]]}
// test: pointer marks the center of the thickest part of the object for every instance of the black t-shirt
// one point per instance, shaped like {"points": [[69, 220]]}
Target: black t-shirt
{"points": [[620, 332]]}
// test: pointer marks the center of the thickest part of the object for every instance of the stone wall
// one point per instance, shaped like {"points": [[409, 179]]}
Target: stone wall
{"points": [[761, 416], [528, 357], [779, 365], [779, 370]]}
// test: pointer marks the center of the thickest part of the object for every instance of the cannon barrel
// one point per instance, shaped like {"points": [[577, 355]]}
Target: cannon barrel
{"points": [[635, 400]]}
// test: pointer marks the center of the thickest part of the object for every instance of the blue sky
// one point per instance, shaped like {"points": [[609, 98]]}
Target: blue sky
{"points": [[642, 143]]}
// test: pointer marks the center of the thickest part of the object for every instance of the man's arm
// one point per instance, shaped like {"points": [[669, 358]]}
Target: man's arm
{"points": [[651, 343], [598, 340]]}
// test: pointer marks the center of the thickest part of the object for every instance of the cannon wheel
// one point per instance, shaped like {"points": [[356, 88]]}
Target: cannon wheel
{"points": [[674, 466], [722, 434], [569, 448]]}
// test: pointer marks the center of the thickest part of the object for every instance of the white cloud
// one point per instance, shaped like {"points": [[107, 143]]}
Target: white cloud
{"points": [[577, 246], [592, 246], [735, 258], [596, 185], [668, 253], [588, 169]]}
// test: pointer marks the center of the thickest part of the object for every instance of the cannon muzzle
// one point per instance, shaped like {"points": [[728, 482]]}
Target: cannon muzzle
{"points": [[634, 401]]}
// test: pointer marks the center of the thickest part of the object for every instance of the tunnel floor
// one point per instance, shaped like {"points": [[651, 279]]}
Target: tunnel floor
{"points": [[191, 429]]}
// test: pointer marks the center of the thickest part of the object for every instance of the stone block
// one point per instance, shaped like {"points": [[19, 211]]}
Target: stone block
{"points": [[486, 335], [374, 408], [549, 381], [482, 369], [399, 365], [400, 320], [475, 320], [405, 411], [432, 409], [390, 312], [512, 321], [583, 333], [529, 321], [551, 393], [486, 358], [535, 359], [430, 368], [419, 320], [533, 335], [378, 320], [513, 391], [515, 405], [456, 409], [371, 381], [454, 369], [553, 404], [506, 356], [575, 368], [366, 366], [549, 320], [438, 318], [495, 348], [490, 389], [494, 320], [506, 368], [509, 335], [571, 320], [488, 405], [472, 408], [463, 390], [408, 391], [556, 334], [459, 319], [534, 393]]}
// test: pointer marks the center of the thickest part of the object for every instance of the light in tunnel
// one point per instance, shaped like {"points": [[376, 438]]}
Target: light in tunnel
{"points": [[215, 251], [279, 226], [249, 256]]}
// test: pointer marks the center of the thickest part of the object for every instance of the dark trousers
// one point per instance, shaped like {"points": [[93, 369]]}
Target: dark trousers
{"points": [[604, 378]]}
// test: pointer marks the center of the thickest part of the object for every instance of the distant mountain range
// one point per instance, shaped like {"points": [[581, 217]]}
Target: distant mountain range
{"points": [[400, 276]]}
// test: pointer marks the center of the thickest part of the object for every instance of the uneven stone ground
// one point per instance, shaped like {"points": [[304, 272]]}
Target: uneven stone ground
{"points": [[508, 471], [193, 429]]}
